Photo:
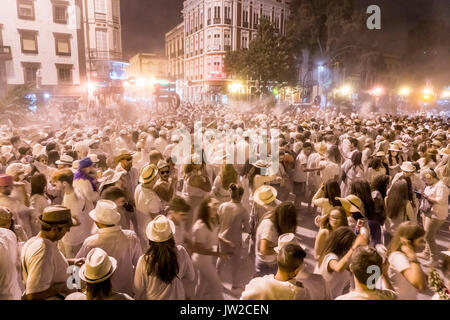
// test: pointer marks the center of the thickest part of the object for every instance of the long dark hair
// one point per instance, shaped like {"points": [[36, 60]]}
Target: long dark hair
{"points": [[325, 221], [236, 192], [284, 218], [203, 212], [380, 184], [339, 242], [161, 260], [410, 190], [99, 291], [38, 183], [361, 188], [332, 190], [397, 199], [409, 230], [375, 163], [356, 159]]}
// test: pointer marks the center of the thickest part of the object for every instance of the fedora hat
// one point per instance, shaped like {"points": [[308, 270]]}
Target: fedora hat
{"points": [[262, 164], [65, 159], [105, 212], [394, 147], [380, 154], [93, 157], [407, 166], [85, 163], [444, 151], [109, 177], [284, 240], [55, 216], [160, 229], [162, 164], [265, 195], [6, 180], [98, 266], [148, 173], [5, 215]]}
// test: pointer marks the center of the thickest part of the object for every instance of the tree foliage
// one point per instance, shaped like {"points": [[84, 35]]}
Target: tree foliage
{"points": [[268, 58], [15, 98]]}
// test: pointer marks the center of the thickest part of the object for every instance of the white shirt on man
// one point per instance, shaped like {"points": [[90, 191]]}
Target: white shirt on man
{"points": [[269, 288], [148, 205], [9, 261]]}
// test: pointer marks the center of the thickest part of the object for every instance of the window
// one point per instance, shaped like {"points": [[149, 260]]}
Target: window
{"points": [[60, 14], [25, 9], [29, 72], [64, 72], [245, 41], [216, 13], [255, 20], [101, 37], [227, 12], [28, 41], [245, 18], [100, 6], [62, 44]]}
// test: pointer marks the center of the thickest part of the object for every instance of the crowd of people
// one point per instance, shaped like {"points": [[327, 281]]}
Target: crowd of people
{"points": [[140, 216]]}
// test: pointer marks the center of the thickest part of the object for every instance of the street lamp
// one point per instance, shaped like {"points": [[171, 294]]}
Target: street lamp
{"points": [[346, 90], [404, 92]]}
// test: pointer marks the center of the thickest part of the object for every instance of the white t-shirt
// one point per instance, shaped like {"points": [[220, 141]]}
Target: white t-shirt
{"points": [[82, 296], [439, 192], [266, 230], [122, 245], [398, 262], [76, 203], [299, 174], [151, 288], [268, 288], [375, 294], [9, 258], [147, 204], [43, 265], [335, 282]]}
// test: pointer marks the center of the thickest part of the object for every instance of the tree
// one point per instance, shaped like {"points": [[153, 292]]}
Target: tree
{"points": [[268, 59]]}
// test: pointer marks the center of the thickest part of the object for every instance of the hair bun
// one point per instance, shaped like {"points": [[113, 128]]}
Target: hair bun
{"points": [[233, 187]]}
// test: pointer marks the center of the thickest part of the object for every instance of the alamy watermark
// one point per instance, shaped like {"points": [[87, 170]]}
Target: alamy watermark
{"points": [[374, 21]]}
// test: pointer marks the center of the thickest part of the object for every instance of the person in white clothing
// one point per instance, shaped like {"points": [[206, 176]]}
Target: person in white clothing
{"points": [[97, 273], [436, 193], [123, 245], [283, 285], [405, 271], [155, 280], [44, 267], [10, 288], [72, 240], [233, 222], [38, 201], [362, 261], [178, 212], [148, 204]]}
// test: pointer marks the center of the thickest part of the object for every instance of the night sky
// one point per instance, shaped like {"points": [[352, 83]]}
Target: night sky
{"points": [[145, 22]]}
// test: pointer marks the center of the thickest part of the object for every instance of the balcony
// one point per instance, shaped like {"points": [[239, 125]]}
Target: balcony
{"points": [[105, 55], [5, 53], [227, 21], [216, 20], [245, 24]]}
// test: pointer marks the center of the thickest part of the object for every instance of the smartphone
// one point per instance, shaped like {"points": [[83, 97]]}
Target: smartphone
{"points": [[418, 194]]}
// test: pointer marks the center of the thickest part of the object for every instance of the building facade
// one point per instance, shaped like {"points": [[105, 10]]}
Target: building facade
{"points": [[102, 41], [213, 27], [148, 66], [175, 56], [39, 45]]}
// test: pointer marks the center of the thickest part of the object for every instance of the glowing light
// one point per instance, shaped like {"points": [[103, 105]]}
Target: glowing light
{"points": [[47, 95], [428, 91], [345, 90], [446, 94], [235, 87], [141, 82], [405, 91], [377, 91], [92, 86]]}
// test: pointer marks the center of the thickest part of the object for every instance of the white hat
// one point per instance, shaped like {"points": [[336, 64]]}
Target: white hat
{"points": [[284, 240], [175, 138], [160, 229], [265, 195], [394, 147], [15, 168], [65, 159], [76, 164], [105, 213], [262, 164], [98, 266], [93, 157], [38, 149], [407, 167]]}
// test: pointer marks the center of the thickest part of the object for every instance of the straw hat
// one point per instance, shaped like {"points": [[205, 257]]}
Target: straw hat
{"points": [[5, 215], [98, 266], [262, 164], [351, 203], [265, 195], [160, 229], [65, 159], [93, 157], [444, 151], [56, 216], [162, 164], [394, 147], [284, 240], [407, 167], [105, 212], [380, 154], [148, 173]]}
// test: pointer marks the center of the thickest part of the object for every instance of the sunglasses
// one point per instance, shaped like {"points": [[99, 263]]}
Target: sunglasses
{"points": [[165, 172]]}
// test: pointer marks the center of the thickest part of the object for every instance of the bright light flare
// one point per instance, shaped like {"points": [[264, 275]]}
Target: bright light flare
{"points": [[346, 90], [377, 91], [405, 91], [141, 82], [235, 87], [92, 86], [446, 94]]}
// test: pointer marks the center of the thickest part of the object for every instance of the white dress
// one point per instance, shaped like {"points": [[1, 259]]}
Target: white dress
{"points": [[208, 286]]}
